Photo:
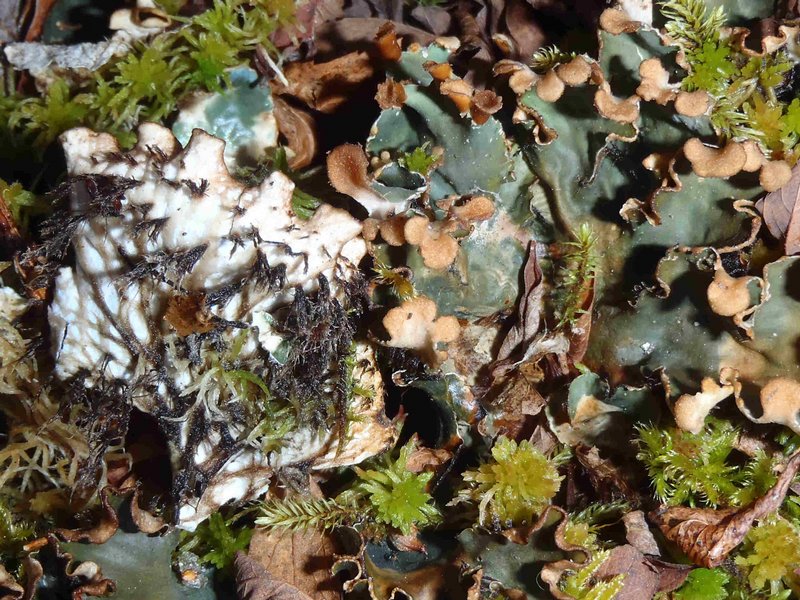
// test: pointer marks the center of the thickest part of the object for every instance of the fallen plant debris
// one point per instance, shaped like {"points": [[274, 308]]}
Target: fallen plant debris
{"points": [[430, 299]]}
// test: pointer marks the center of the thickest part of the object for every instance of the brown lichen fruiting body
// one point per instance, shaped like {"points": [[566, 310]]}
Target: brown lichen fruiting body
{"points": [[625, 110], [390, 94], [414, 325], [774, 175], [728, 296], [437, 247], [575, 72], [615, 22], [655, 84], [780, 403], [459, 92], [692, 104], [754, 157], [692, 409], [387, 42], [347, 171], [550, 87], [484, 104], [715, 162], [439, 71], [477, 208]]}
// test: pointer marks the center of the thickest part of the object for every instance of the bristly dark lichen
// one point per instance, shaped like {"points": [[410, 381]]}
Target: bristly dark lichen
{"points": [[97, 195], [321, 331], [102, 414]]}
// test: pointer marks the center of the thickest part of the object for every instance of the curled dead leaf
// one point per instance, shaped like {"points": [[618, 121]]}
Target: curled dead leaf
{"points": [[325, 86], [299, 129], [781, 212], [638, 534], [9, 588], [708, 536], [609, 481], [254, 582], [644, 576], [144, 520], [10, 236], [427, 459], [529, 310], [101, 532]]}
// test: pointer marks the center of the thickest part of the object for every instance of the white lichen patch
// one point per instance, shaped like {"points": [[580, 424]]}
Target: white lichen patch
{"points": [[180, 275], [172, 239]]}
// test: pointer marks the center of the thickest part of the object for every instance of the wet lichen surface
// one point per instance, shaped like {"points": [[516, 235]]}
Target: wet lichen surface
{"points": [[431, 300]]}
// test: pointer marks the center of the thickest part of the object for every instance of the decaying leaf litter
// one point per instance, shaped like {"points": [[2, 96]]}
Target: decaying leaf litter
{"points": [[428, 300]]}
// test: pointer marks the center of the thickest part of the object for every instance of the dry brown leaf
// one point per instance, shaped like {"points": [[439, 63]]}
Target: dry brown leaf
{"points": [[146, 521], [644, 576], [10, 237], [254, 582], [99, 533], [37, 21], [302, 559], [334, 37], [529, 311], [781, 212], [427, 459], [607, 479], [435, 18], [638, 534], [326, 86], [298, 127], [580, 330], [9, 588], [706, 535]]}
